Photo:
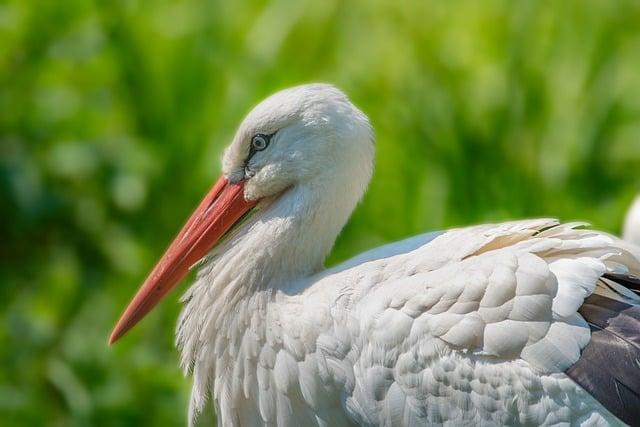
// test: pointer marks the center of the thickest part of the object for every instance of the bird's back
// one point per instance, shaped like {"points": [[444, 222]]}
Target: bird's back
{"points": [[474, 325], [478, 326]]}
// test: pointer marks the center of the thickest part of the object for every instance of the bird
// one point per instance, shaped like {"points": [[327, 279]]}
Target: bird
{"points": [[527, 322], [631, 229]]}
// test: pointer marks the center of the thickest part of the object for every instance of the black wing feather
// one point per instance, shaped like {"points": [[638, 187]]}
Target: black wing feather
{"points": [[630, 282], [609, 367]]}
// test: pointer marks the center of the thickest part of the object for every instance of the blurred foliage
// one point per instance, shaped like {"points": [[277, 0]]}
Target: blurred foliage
{"points": [[113, 116]]}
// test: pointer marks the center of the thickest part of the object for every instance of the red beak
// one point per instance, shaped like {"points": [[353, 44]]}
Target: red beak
{"points": [[216, 214]]}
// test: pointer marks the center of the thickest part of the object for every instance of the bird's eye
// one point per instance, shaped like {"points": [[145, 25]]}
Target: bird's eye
{"points": [[259, 142]]}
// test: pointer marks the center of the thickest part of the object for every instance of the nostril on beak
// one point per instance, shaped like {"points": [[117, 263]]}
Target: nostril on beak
{"points": [[248, 172]]}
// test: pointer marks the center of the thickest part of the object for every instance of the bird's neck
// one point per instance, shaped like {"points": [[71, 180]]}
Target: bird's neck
{"points": [[290, 239], [265, 263], [284, 242], [269, 256]]}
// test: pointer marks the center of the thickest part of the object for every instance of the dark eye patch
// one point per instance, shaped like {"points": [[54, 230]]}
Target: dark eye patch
{"points": [[259, 142]]}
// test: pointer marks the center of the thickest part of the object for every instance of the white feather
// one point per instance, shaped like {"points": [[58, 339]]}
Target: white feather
{"points": [[470, 326], [631, 228]]}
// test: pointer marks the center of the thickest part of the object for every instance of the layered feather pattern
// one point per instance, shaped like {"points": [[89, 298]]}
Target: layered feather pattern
{"points": [[471, 326]]}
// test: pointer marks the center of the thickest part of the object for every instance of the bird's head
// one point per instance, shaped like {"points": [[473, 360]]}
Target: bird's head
{"points": [[306, 136], [295, 137]]}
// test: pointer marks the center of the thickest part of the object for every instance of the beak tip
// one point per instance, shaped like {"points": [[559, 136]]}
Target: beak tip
{"points": [[112, 340], [116, 334], [221, 208]]}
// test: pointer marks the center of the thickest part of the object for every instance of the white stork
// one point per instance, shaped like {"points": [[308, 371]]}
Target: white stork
{"points": [[480, 325]]}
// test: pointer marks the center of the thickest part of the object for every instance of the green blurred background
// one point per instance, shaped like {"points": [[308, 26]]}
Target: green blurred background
{"points": [[114, 114]]}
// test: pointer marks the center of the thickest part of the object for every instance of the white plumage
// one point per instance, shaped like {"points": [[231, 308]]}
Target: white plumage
{"points": [[476, 325], [631, 229], [469, 326]]}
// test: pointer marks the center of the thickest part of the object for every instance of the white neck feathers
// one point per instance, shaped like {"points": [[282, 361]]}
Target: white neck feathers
{"points": [[272, 253]]}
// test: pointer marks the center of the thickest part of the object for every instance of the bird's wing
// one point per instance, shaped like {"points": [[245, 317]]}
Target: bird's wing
{"points": [[609, 367], [483, 318]]}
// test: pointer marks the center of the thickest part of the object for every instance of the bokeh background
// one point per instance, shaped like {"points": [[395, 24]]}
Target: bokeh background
{"points": [[114, 114]]}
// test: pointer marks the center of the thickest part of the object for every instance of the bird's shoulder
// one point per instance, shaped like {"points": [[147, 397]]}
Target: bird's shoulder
{"points": [[509, 290], [440, 314], [469, 307], [420, 254]]}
